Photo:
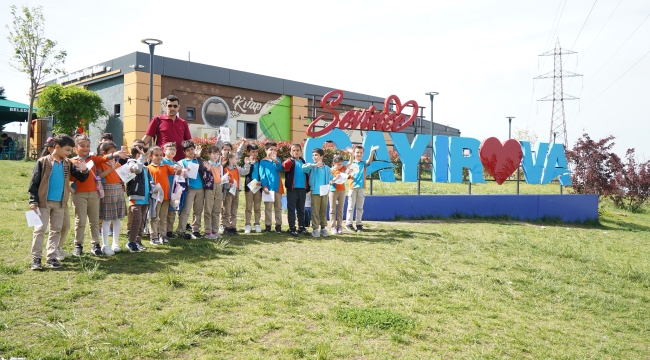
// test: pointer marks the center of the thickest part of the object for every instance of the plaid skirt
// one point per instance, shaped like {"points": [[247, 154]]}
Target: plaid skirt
{"points": [[112, 205]]}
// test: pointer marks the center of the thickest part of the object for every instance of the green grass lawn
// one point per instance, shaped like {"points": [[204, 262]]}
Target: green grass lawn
{"points": [[402, 290]]}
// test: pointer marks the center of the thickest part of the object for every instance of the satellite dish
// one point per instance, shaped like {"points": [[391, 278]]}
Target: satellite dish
{"points": [[215, 113]]}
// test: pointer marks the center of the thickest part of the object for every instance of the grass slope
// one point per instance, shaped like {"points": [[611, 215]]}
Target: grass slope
{"points": [[402, 290]]}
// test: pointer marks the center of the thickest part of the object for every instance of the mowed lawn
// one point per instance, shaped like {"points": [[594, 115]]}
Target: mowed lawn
{"points": [[478, 289]]}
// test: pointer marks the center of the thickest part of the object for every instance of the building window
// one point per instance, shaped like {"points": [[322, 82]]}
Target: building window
{"points": [[116, 109], [189, 113], [247, 129]]}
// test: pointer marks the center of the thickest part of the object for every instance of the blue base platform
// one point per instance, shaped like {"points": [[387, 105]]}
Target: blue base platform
{"points": [[568, 208]]}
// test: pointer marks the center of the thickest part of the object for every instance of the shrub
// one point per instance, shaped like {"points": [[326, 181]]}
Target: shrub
{"points": [[632, 183], [593, 166]]}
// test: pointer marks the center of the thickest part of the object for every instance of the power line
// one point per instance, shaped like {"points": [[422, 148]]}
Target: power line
{"points": [[619, 78], [583, 25], [601, 30], [616, 52]]}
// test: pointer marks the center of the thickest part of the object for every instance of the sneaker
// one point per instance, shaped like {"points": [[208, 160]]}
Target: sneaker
{"points": [[247, 229], [267, 228], [36, 264], [217, 236], [185, 236], [258, 229], [333, 231], [63, 252], [278, 229], [349, 227], [164, 241], [155, 241], [52, 263], [107, 250], [116, 248], [221, 229], [133, 247], [359, 228], [339, 230], [59, 256], [234, 232], [140, 246], [303, 230], [170, 235], [323, 232], [315, 233], [97, 250], [292, 231], [78, 250], [188, 227], [196, 235], [210, 236]]}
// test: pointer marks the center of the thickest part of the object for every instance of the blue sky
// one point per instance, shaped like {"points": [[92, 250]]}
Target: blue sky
{"points": [[480, 56]]}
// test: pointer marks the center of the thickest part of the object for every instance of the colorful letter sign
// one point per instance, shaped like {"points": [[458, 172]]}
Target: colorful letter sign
{"points": [[450, 154]]}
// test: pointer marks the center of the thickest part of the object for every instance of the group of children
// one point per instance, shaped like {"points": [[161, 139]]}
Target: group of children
{"points": [[159, 187]]}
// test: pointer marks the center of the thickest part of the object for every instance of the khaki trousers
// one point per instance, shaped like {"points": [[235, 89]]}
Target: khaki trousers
{"points": [[171, 217], [230, 205], [212, 209], [159, 224], [318, 211], [356, 197], [253, 201], [86, 208], [277, 210], [193, 201], [65, 228], [51, 215], [337, 200]]}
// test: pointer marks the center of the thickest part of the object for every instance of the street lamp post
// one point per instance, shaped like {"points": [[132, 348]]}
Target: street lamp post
{"points": [[431, 95], [510, 126], [152, 44]]}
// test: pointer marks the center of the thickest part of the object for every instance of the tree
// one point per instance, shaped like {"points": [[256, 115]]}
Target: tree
{"points": [[34, 54], [72, 107], [593, 166], [526, 134], [632, 184]]}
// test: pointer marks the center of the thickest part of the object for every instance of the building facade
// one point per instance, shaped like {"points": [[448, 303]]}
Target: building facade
{"points": [[250, 105]]}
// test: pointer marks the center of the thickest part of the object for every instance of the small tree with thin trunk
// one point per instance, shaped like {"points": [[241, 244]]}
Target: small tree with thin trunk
{"points": [[632, 184], [34, 54], [72, 107], [593, 166]]}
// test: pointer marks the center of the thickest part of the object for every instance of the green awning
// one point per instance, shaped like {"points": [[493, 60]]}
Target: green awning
{"points": [[11, 111]]}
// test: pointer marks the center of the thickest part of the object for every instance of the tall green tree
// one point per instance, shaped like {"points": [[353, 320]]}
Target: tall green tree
{"points": [[72, 107], [34, 54]]}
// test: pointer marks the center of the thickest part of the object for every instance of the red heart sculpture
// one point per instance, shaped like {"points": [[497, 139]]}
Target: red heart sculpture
{"points": [[500, 160]]}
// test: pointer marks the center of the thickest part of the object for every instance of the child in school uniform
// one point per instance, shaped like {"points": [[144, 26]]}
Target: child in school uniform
{"points": [[139, 191], [111, 206], [231, 197], [253, 200], [170, 152], [297, 185], [319, 176], [195, 194], [48, 195], [213, 197], [160, 174], [136, 143], [337, 196], [86, 196], [357, 186], [271, 179]]}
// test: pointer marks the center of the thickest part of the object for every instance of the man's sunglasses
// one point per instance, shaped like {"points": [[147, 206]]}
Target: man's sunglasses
{"points": [[172, 106]]}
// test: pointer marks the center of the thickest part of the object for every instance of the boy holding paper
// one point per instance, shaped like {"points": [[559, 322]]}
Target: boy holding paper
{"points": [[297, 184], [49, 193], [320, 180], [337, 195], [252, 190], [193, 164], [231, 193], [270, 168], [160, 175]]}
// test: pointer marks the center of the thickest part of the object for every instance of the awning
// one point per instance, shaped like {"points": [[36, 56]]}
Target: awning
{"points": [[11, 111]]}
